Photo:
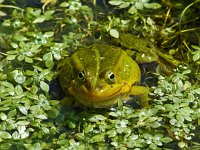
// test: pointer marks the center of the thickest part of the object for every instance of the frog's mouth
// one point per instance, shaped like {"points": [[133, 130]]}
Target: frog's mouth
{"points": [[100, 97]]}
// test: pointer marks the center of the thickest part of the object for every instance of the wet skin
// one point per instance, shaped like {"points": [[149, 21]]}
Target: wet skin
{"points": [[100, 76]]}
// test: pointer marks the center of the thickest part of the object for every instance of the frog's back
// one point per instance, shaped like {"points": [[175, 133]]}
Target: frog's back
{"points": [[115, 59]]}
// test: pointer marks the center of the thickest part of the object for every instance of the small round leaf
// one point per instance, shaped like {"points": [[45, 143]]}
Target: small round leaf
{"points": [[114, 33], [44, 86]]}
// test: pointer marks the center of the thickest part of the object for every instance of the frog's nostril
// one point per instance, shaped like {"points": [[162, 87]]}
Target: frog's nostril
{"points": [[124, 83], [100, 86], [88, 86]]}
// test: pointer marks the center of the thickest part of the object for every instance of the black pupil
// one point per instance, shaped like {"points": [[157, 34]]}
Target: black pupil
{"points": [[112, 76], [81, 74]]}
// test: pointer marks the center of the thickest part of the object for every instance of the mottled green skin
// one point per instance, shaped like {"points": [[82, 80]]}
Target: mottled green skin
{"points": [[97, 89], [146, 52]]}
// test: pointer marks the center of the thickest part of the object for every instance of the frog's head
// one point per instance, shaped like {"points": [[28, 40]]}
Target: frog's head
{"points": [[98, 91], [102, 75]]}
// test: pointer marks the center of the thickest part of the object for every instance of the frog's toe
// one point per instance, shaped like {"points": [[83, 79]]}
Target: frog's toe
{"points": [[142, 95]]}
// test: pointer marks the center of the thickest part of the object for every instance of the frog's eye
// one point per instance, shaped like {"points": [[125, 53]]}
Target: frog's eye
{"points": [[110, 77], [81, 76]]}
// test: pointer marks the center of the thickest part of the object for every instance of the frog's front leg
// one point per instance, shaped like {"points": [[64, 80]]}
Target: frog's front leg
{"points": [[69, 102], [142, 93]]}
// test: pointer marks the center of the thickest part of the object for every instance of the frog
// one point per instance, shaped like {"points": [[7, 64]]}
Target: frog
{"points": [[101, 76]]}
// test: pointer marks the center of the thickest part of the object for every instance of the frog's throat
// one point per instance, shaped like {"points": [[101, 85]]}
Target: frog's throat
{"points": [[83, 95]]}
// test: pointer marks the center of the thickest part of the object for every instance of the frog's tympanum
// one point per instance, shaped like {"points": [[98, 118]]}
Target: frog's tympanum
{"points": [[102, 75]]}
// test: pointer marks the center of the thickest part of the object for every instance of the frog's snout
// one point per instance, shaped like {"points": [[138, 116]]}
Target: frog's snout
{"points": [[100, 85], [98, 89], [94, 86]]}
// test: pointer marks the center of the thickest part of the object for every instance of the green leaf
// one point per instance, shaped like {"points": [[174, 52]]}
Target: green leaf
{"points": [[5, 135], [28, 60], [3, 116], [80, 136], [179, 84], [2, 13], [111, 133], [197, 91], [166, 139], [20, 78], [48, 56], [57, 56], [180, 118], [18, 90], [152, 112], [154, 124], [114, 33], [151, 119], [13, 52], [7, 84], [19, 37], [144, 1], [139, 5], [23, 123], [36, 146], [188, 118], [12, 113], [97, 138], [72, 142], [114, 144], [35, 49], [30, 73], [45, 130], [10, 57], [21, 129], [48, 34], [34, 89], [195, 47], [113, 114], [20, 57], [39, 20], [44, 86], [16, 135], [88, 128], [173, 121], [191, 97], [41, 117], [182, 144], [152, 5], [1, 1], [169, 107], [187, 71], [64, 4], [14, 45], [132, 10], [124, 5], [153, 146], [23, 110], [115, 2], [196, 57], [96, 118], [24, 135]]}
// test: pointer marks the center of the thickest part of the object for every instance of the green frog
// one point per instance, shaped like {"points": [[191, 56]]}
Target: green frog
{"points": [[102, 75]]}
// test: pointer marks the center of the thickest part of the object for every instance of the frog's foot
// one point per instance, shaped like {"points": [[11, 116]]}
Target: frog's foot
{"points": [[68, 101], [142, 94]]}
